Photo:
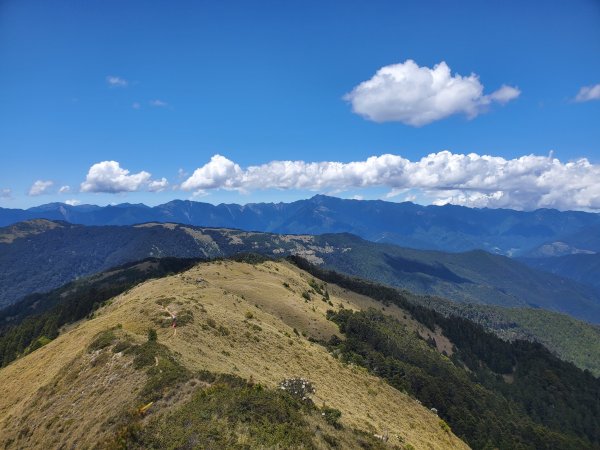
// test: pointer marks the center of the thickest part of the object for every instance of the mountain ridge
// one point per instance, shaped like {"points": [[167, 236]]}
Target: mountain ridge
{"points": [[63, 252], [370, 353], [446, 228]]}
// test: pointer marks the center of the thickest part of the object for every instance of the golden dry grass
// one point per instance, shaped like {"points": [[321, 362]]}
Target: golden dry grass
{"points": [[244, 320]]}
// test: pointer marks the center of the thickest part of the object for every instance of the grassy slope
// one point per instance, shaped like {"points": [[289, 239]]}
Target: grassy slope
{"points": [[59, 381]]}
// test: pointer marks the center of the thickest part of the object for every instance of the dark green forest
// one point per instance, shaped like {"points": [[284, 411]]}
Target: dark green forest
{"points": [[493, 393]]}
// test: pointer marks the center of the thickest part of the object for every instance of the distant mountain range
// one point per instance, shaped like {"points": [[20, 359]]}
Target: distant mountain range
{"points": [[40, 255], [445, 228]]}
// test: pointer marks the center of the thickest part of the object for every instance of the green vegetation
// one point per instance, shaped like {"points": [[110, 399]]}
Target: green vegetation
{"points": [[230, 413], [103, 340], [549, 404], [332, 416], [543, 402], [570, 339], [474, 277]]}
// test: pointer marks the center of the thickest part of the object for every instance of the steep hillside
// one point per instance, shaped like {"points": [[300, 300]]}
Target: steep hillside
{"points": [[446, 228], [58, 252], [570, 339], [233, 318], [127, 378], [45, 260], [471, 277]]}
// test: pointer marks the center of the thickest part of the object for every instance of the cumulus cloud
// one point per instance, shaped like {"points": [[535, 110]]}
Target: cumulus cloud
{"points": [[110, 177], [417, 96], [40, 187], [114, 81], [219, 172], [158, 185], [5, 193], [64, 189], [72, 202], [588, 93], [527, 182]]}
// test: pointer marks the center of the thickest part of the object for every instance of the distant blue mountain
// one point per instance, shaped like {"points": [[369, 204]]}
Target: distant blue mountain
{"points": [[446, 228]]}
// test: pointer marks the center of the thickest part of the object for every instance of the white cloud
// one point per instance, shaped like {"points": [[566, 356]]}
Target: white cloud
{"points": [[220, 172], [40, 187], [158, 185], [505, 94], [588, 93], [5, 193], [64, 189], [114, 81], [417, 95], [72, 202], [527, 182], [158, 103], [110, 177], [136, 105]]}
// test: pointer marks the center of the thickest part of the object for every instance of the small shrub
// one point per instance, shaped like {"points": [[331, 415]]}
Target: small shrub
{"points": [[101, 359], [332, 416], [306, 296], [206, 376], [444, 426], [185, 317], [104, 339], [145, 354], [168, 373], [121, 346], [211, 323], [299, 388], [249, 315], [332, 441], [152, 336], [40, 342], [316, 287]]}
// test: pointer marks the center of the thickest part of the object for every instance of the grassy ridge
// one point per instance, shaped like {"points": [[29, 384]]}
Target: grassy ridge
{"points": [[37, 319]]}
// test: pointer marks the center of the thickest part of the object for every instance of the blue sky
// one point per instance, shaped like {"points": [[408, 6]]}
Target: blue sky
{"points": [[264, 81]]}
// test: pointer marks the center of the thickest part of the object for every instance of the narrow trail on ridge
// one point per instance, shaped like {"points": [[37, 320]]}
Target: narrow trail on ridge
{"points": [[174, 319]]}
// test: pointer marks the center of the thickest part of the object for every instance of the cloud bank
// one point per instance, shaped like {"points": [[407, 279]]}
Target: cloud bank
{"points": [[417, 96], [588, 93], [110, 177], [527, 182]]}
